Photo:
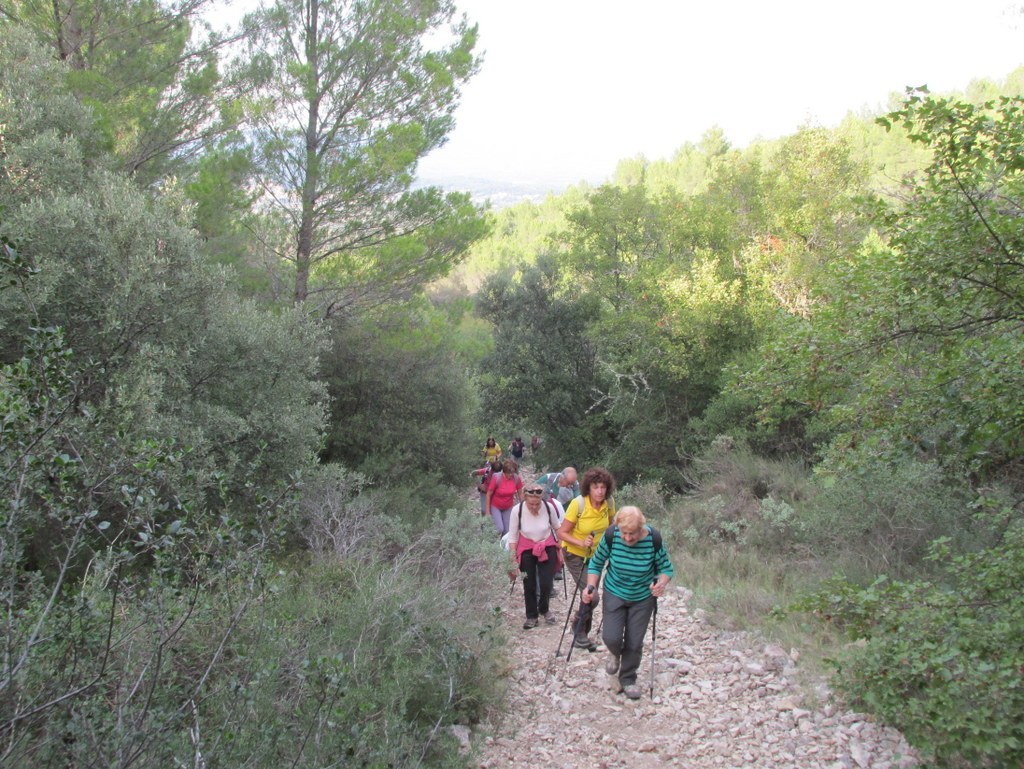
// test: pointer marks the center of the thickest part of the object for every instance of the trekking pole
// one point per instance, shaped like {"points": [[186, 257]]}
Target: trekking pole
{"points": [[581, 619], [565, 588], [513, 585], [568, 614], [654, 642]]}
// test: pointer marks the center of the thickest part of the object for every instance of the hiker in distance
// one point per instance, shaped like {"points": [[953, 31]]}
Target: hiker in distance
{"points": [[485, 474], [492, 451], [586, 518], [503, 491], [516, 448], [535, 551], [638, 571]]}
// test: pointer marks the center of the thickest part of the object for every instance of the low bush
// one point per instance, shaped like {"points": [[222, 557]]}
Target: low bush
{"points": [[365, 662], [879, 514], [941, 661], [744, 500], [650, 497]]}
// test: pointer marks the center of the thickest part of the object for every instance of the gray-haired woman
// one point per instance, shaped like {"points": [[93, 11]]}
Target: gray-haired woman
{"points": [[638, 571]]}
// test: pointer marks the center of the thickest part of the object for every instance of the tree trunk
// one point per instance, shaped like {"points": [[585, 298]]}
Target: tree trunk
{"points": [[304, 249]]}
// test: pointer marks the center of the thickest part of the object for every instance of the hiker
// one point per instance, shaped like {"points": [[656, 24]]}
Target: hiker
{"points": [[562, 486], [485, 473], [586, 518], [534, 445], [492, 451], [516, 448], [638, 571], [535, 551], [503, 491]]}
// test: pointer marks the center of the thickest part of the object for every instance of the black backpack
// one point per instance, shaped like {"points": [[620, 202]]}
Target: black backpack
{"points": [[655, 538]]}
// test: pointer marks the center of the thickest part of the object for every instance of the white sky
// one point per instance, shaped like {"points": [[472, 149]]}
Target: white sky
{"points": [[570, 87]]}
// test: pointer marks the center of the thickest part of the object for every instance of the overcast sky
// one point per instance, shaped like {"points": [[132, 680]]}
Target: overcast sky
{"points": [[570, 87]]}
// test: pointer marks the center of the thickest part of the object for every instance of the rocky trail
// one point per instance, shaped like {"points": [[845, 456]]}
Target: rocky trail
{"points": [[720, 700]]}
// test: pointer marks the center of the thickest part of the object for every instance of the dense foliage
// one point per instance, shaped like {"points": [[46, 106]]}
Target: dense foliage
{"points": [[233, 414], [941, 660], [169, 546]]}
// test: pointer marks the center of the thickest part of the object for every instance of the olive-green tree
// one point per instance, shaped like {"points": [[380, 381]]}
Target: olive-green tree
{"points": [[350, 97], [162, 345], [154, 430], [149, 70], [401, 403], [544, 371]]}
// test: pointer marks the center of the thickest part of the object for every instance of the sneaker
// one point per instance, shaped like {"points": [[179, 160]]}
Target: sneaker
{"points": [[550, 618], [611, 665], [633, 691], [530, 622], [558, 575]]}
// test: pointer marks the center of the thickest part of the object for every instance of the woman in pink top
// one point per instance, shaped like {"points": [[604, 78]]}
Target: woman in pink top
{"points": [[502, 492]]}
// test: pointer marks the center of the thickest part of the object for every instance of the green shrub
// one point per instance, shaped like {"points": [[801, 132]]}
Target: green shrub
{"points": [[650, 497], [940, 661], [742, 499], [365, 661], [880, 514]]}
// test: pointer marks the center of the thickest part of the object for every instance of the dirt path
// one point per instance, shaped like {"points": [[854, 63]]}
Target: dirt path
{"points": [[718, 702]]}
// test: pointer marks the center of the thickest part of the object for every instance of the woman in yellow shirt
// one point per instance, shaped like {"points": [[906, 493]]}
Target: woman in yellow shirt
{"points": [[586, 518], [492, 451]]}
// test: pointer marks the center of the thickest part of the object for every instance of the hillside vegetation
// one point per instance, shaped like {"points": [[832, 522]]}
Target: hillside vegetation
{"points": [[247, 366]]}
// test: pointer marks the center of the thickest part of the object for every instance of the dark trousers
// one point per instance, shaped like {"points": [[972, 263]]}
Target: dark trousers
{"points": [[538, 574], [625, 625], [577, 567]]}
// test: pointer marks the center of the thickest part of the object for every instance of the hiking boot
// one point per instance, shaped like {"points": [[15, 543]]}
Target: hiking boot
{"points": [[530, 622], [550, 618], [582, 642], [611, 665], [558, 575], [633, 691]]}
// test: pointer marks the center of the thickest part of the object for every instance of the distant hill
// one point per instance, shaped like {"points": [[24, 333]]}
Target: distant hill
{"points": [[498, 193]]}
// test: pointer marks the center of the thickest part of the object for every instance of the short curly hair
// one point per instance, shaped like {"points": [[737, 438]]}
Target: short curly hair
{"points": [[597, 475]]}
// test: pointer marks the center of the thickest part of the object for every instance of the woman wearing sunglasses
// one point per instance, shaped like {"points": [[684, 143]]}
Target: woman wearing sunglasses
{"points": [[535, 552]]}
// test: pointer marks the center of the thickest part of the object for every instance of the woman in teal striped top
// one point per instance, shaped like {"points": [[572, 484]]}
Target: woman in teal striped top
{"points": [[638, 571]]}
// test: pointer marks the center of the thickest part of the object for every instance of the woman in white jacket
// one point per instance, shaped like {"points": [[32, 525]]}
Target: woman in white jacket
{"points": [[535, 552]]}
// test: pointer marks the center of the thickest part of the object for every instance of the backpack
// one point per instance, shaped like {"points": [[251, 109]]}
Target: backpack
{"points": [[609, 536], [517, 477]]}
